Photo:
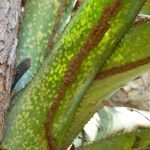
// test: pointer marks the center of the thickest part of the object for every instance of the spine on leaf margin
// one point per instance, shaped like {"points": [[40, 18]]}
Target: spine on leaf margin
{"points": [[38, 24], [124, 70], [59, 113], [73, 69], [26, 119]]}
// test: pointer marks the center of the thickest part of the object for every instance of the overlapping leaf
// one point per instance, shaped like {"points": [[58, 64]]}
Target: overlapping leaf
{"points": [[134, 140], [132, 49], [25, 123], [37, 26]]}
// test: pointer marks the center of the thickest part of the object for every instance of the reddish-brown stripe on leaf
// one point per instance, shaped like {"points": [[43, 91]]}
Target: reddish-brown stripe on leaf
{"points": [[122, 69], [78, 4], [51, 41], [73, 69]]}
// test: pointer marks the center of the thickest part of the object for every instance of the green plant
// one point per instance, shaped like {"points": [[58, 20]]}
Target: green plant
{"points": [[86, 55]]}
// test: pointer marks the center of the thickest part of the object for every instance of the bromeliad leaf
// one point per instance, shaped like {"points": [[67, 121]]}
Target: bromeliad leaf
{"points": [[138, 139], [76, 58], [130, 59], [71, 106], [146, 8], [37, 26]]}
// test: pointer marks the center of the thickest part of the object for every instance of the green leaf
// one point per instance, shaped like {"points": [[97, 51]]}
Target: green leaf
{"points": [[37, 25], [133, 49], [135, 140], [68, 107], [146, 8], [26, 121]]}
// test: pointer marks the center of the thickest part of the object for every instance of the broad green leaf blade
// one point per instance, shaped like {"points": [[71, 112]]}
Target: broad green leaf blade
{"points": [[94, 97], [34, 35], [135, 140], [37, 25], [26, 121], [133, 47], [68, 104], [40, 94], [131, 50], [146, 8]]}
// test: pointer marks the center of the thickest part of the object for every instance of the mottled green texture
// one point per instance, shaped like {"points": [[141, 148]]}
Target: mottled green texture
{"points": [[131, 49], [66, 16], [146, 8], [29, 114], [134, 46], [100, 90], [25, 122], [90, 67], [138, 139], [37, 26]]}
